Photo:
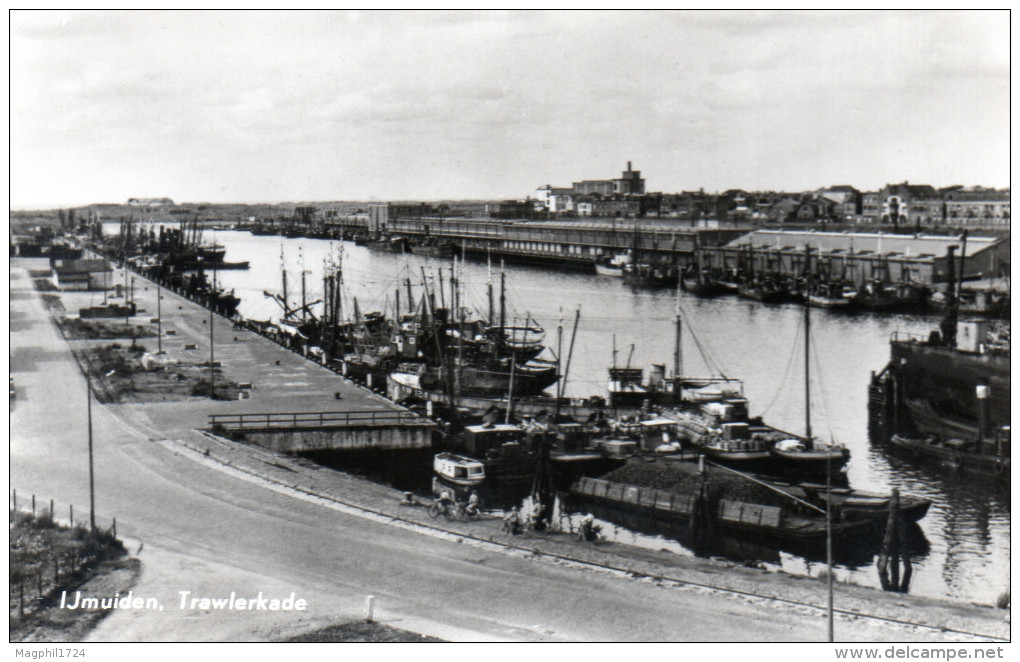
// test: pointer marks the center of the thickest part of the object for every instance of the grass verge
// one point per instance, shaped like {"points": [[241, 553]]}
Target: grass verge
{"points": [[47, 559]]}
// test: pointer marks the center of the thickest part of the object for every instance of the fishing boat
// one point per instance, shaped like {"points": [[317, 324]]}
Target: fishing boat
{"points": [[395, 244], [806, 455], [763, 289], [405, 387], [989, 457], [827, 295], [611, 265], [576, 449], [458, 471], [695, 281], [747, 454], [643, 274], [728, 281], [432, 247], [793, 456], [628, 388], [497, 377]]}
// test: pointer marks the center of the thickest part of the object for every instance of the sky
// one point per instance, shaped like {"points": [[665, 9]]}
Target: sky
{"points": [[314, 106]]}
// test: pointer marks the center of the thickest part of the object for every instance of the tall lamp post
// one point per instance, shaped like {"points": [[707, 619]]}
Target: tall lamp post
{"points": [[92, 473], [159, 317], [212, 369], [92, 476]]}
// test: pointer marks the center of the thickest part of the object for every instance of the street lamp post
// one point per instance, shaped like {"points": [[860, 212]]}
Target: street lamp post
{"points": [[92, 478], [212, 370], [159, 317]]}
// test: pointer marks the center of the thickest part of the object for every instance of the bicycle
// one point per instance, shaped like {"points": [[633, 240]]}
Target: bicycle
{"points": [[436, 509], [512, 527], [466, 512]]}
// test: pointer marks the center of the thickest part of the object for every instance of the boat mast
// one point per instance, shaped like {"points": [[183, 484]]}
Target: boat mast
{"points": [[948, 324], [807, 370], [454, 302], [502, 310], [510, 388], [283, 270], [963, 256], [697, 255], [489, 287], [559, 354], [677, 356], [442, 296], [304, 299]]}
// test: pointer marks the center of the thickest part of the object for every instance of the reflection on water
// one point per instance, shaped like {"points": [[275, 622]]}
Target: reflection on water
{"points": [[967, 526]]}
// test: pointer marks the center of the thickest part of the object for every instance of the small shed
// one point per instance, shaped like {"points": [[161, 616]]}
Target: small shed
{"points": [[82, 274]]}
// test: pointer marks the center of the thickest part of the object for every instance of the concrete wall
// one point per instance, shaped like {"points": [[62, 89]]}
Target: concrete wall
{"points": [[403, 437]]}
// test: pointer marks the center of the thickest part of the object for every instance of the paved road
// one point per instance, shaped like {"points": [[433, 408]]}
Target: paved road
{"points": [[208, 531]]}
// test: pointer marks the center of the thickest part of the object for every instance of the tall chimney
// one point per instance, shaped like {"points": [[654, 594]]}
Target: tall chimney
{"points": [[628, 166]]}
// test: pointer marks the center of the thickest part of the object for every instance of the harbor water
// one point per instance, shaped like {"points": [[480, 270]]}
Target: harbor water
{"points": [[967, 530]]}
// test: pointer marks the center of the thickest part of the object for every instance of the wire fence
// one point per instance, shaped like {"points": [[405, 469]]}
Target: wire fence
{"points": [[44, 565]]}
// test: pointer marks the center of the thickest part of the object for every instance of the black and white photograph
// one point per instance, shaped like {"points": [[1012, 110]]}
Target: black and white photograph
{"points": [[685, 329]]}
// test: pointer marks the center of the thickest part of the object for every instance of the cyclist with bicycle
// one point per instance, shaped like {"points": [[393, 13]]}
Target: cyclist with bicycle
{"points": [[471, 509], [512, 522], [446, 502]]}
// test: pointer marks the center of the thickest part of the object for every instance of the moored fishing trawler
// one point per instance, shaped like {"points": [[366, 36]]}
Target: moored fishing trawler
{"points": [[696, 281], [612, 265], [643, 274], [433, 247], [945, 398]]}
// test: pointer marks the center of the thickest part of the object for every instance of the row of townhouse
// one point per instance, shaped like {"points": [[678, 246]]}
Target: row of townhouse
{"points": [[902, 204]]}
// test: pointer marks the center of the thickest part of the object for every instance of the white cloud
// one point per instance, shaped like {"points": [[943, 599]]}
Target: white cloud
{"points": [[326, 105]]}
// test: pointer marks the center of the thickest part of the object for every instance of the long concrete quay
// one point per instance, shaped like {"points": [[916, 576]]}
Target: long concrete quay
{"points": [[277, 380], [568, 243]]}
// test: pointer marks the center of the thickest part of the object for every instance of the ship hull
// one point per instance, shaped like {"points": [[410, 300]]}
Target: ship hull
{"points": [[947, 380]]}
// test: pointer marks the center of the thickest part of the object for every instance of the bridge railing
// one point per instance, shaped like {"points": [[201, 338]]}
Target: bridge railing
{"points": [[315, 419]]}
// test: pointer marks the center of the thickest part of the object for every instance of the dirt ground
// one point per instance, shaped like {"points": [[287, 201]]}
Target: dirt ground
{"points": [[76, 328], [120, 376]]}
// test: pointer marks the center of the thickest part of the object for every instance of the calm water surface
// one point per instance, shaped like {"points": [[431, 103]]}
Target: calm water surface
{"points": [[967, 528]]}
